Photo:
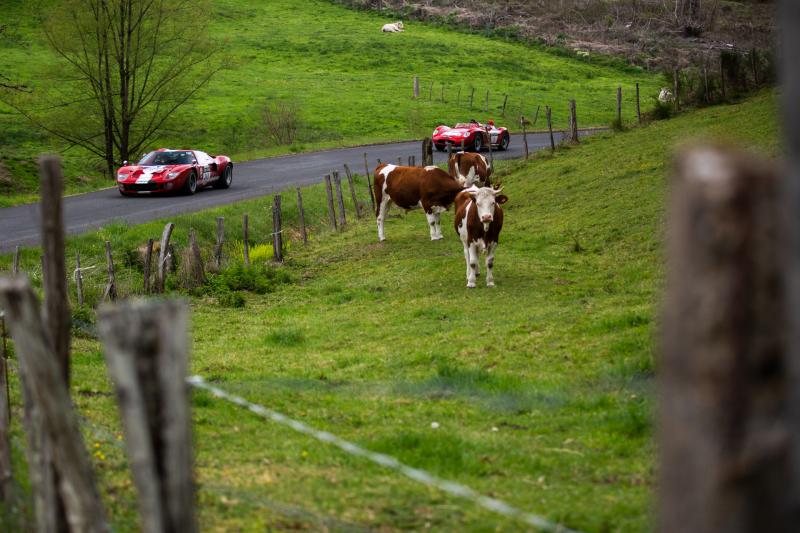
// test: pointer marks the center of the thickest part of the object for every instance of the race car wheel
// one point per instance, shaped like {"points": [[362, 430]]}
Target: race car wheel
{"points": [[439, 147], [478, 144], [503, 146], [190, 187], [226, 179]]}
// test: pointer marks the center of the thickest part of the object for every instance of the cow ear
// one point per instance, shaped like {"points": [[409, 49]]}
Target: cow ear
{"points": [[501, 199]]}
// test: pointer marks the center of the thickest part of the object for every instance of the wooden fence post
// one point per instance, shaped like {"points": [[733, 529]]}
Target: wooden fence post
{"points": [[246, 240], [43, 375], [352, 190], [471, 97], [462, 145], [491, 152], [148, 261], [110, 292], [505, 101], [163, 253], [78, 279], [220, 242], [339, 199], [15, 261], [366, 166], [427, 152], [536, 116], [6, 474], [399, 161], [331, 210], [548, 113], [277, 229], [458, 96], [56, 301], [146, 348], [524, 134], [302, 216], [725, 380], [416, 87], [486, 103], [638, 105], [449, 150], [619, 106], [573, 122], [194, 274]]}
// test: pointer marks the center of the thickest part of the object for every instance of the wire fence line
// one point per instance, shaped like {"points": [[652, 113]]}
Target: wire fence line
{"points": [[426, 478]]}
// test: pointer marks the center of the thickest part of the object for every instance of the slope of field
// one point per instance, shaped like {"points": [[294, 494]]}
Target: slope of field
{"points": [[349, 82], [542, 388]]}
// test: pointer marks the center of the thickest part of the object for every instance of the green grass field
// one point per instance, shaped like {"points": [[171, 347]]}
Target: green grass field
{"points": [[351, 83], [375, 342]]}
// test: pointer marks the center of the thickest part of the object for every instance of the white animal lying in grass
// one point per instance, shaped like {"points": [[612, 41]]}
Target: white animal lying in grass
{"points": [[666, 96], [394, 27]]}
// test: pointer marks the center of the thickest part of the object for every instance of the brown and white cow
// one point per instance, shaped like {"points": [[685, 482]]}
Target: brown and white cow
{"points": [[430, 188], [479, 219], [469, 169]]}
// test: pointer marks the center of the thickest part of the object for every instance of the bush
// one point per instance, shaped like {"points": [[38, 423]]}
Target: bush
{"points": [[233, 299], [661, 110], [83, 322], [259, 279]]}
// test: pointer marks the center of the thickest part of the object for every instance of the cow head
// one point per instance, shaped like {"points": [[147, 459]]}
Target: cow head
{"points": [[486, 198], [399, 24]]}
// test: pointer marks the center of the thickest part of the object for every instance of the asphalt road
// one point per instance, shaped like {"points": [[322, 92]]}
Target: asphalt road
{"points": [[84, 212]]}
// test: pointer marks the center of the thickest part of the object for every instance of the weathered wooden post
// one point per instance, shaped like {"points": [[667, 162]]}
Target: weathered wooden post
{"points": [[548, 113], [536, 116], [163, 252], [619, 106], [339, 199], [505, 101], [462, 145], [78, 279], [353, 196], [427, 151], [486, 103], [329, 192], [146, 348], [573, 122], [302, 216], [6, 473], [458, 96], [47, 391], [277, 229], [110, 292], [246, 241], [471, 97], [399, 161], [638, 104], [220, 242], [416, 87], [194, 274], [725, 380], [148, 261], [524, 134], [15, 261], [366, 166]]}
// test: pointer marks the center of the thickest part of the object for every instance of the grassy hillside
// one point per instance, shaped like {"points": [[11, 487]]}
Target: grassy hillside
{"points": [[542, 387], [350, 83]]}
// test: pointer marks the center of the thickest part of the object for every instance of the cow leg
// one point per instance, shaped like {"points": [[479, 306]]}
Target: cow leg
{"points": [[382, 209], [472, 265], [490, 264], [435, 221], [466, 258], [431, 216]]}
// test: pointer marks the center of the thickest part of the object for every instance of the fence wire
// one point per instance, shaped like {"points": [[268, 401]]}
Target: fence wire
{"points": [[426, 478]]}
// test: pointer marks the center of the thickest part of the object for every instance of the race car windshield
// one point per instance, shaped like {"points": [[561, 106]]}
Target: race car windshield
{"points": [[167, 158]]}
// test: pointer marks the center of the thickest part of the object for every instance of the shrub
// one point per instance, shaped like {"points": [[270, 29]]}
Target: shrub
{"points": [[233, 299], [83, 322], [281, 121]]}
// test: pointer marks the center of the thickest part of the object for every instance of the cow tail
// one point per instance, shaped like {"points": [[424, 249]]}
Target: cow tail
{"points": [[378, 188]]}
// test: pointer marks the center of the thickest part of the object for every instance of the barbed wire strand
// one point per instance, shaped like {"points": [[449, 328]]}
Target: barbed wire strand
{"points": [[455, 489]]}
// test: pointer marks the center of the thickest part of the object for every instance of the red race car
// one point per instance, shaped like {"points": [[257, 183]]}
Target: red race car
{"points": [[183, 171], [474, 135]]}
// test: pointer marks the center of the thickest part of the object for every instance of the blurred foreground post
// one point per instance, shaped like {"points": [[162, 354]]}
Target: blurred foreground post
{"points": [[725, 391], [146, 348], [6, 479]]}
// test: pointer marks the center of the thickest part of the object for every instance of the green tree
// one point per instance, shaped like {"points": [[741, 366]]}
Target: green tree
{"points": [[124, 68]]}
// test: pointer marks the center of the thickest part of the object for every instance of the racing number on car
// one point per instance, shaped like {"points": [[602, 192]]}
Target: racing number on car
{"points": [[206, 173]]}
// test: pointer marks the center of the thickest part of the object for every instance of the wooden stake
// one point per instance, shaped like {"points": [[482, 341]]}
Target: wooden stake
{"points": [[536, 116], [246, 241], [44, 376], [163, 254], [416, 87], [471, 97], [573, 118], [524, 135], [458, 96], [724, 386], [146, 348], [550, 128], [302, 215], [78, 279], [277, 229], [619, 106], [148, 260], [427, 152], [110, 292], [196, 275], [331, 210], [505, 101], [339, 199], [15, 261], [638, 106], [486, 103], [352, 190], [220, 242]]}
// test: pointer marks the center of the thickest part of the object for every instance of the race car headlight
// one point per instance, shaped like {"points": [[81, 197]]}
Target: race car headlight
{"points": [[172, 175], [122, 176]]}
